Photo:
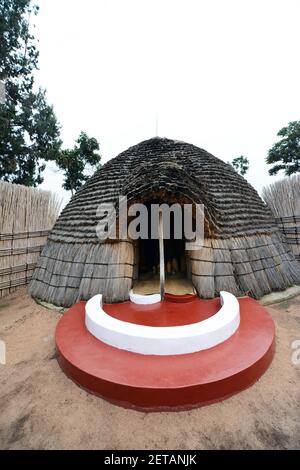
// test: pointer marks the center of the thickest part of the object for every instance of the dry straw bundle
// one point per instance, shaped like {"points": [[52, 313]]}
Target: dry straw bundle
{"points": [[26, 216]]}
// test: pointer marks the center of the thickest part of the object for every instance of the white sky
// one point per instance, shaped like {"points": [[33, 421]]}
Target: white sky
{"points": [[223, 75]]}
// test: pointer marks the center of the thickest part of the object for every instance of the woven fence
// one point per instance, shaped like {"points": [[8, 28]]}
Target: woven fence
{"points": [[283, 198], [26, 217], [290, 227]]}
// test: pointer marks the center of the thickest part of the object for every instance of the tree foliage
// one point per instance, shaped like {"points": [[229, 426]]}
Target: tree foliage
{"points": [[29, 131], [285, 154], [240, 164], [78, 162]]}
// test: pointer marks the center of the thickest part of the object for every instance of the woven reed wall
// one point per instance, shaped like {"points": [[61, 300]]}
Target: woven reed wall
{"points": [[26, 218]]}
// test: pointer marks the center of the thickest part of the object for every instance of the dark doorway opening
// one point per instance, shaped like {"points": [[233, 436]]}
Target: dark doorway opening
{"points": [[174, 252]]}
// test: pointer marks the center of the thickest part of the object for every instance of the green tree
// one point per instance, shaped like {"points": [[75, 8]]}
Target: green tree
{"points": [[285, 154], [29, 131], [77, 163], [240, 164]]}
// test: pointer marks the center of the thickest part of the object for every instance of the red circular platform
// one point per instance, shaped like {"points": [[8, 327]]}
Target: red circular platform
{"points": [[156, 383]]}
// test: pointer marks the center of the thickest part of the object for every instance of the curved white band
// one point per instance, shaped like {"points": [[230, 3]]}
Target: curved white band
{"points": [[163, 340], [144, 299]]}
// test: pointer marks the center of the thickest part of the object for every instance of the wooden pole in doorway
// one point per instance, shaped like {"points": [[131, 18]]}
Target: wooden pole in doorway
{"points": [[161, 256]]}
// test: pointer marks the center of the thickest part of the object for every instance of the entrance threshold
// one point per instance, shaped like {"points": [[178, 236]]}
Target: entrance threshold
{"points": [[173, 285]]}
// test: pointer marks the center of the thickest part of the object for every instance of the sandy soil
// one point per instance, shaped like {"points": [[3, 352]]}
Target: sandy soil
{"points": [[40, 408]]}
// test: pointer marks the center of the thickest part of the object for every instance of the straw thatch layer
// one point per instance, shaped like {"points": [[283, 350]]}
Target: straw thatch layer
{"points": [[244, 265], [66, 273], [254, 266], [244, 252], [178, 169]]}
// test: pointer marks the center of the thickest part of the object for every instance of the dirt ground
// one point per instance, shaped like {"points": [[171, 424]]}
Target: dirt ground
{"points": [[40, 408]]}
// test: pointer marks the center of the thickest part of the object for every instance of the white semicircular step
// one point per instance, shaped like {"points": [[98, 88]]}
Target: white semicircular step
{"points": [[171, 340]]}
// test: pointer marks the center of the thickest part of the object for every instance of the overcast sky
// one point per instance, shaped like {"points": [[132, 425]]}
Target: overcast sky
{"points": [[223, 75]]}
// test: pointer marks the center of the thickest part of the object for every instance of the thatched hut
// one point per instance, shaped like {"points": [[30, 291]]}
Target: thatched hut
{"points": [[243, 250]]}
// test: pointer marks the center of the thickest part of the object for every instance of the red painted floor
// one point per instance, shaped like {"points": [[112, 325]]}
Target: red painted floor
{"points": [[155, 383], [167, 313]]}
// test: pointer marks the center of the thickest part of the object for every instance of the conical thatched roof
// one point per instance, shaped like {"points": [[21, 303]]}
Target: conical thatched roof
{"points": [[244, 251], [181, 169]]}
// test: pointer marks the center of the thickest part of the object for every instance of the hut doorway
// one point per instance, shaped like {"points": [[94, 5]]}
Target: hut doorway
{"points": [[174, 258], [175, 262]]}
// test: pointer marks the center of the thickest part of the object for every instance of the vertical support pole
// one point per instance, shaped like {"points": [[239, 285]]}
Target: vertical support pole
{"points": [[161, 256]]}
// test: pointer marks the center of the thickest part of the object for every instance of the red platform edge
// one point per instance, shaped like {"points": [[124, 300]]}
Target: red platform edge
{"points": [[167, 383], [180, 298]]}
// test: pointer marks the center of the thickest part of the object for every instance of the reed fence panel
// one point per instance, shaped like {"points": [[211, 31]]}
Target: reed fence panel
{"points": [[26, 218], [283, 198]]}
